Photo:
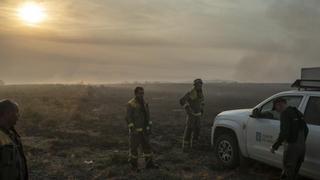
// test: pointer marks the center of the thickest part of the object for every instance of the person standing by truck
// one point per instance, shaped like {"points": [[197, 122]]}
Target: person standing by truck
{"points": [[293, 133], [193, 102]]}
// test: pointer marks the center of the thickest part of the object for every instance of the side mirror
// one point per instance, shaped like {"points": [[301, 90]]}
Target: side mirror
{"points": [[255, 113]]}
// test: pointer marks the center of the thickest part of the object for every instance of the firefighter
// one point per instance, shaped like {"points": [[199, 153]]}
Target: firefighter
{"points": [[193, 102], [13, 164], [139, 124], [293, 134]]}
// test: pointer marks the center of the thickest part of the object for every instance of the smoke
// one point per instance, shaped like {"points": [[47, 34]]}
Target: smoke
{"points": [[256, 40], [266, 67], [297, 20]]}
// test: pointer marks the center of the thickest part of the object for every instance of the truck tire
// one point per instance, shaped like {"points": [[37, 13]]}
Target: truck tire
{"points": [[227, 150]]}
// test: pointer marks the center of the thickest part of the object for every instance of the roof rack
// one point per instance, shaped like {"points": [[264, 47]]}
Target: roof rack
{"points": [[311, 85]]}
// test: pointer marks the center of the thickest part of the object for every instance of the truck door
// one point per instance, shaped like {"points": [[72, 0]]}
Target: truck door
{"points": [[262, 132], [311, 164]]}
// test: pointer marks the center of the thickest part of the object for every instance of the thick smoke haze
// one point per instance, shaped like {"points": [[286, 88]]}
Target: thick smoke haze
{"points": [[160, 40]]}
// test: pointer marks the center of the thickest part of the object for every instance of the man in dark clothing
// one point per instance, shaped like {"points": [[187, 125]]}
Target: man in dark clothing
{"points": [[13, 164], [139, 124], [293, 132], [193, 102]]}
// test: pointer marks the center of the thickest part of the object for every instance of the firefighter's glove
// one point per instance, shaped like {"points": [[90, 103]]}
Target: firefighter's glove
{"points": [[272, 150]]}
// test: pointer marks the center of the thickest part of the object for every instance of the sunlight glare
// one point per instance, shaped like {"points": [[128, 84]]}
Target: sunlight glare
{"points": [[32, 13]]}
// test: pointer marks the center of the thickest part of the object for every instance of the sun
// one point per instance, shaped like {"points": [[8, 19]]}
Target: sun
{"points": [[32, 13]]}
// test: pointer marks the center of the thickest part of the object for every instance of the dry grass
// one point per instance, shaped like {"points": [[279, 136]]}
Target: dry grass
{"points": [[79, 132]]}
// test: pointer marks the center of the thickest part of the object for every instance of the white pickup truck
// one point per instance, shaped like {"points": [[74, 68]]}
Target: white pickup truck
{"points": [[240, 133]]}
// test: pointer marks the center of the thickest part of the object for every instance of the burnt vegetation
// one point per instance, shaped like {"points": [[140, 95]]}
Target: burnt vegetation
{"points": [[79, 131]]}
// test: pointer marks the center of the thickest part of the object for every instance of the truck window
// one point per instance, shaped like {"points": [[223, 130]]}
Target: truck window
{"points": [[312, 113], [267, 110]]}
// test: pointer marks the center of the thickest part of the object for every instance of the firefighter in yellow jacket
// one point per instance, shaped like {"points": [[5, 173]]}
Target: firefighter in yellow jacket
{"points": [[193, 102], [13, 164], [139, 124]]}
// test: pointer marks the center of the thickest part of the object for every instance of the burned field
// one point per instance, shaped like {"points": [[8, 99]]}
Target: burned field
{"points": [[79, 131]]}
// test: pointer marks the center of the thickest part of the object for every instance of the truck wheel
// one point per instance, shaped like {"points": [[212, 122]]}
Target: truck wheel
{"points": [[226, 150]]}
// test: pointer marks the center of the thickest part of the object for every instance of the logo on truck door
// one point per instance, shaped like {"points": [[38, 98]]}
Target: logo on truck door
{"points": [[260, 137]]}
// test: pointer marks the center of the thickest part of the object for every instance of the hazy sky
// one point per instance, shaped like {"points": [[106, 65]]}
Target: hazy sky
{"points": [[160, 40]]}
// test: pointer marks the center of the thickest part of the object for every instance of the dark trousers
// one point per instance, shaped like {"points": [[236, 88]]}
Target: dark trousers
{"points": [[192, 130], [137, 139], [293, 157]]}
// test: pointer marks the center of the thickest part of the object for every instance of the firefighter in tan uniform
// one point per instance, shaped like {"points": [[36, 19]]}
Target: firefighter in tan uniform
{"points": [[13, 164], [139, 124], [193, 102]]}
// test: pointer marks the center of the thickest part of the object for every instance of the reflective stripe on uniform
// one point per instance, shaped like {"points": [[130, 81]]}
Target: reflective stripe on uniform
{"points": [[147, 155], [133, 156], [139, 129], [186, 105], [130, 125], [133, 103], [197, 114]]}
